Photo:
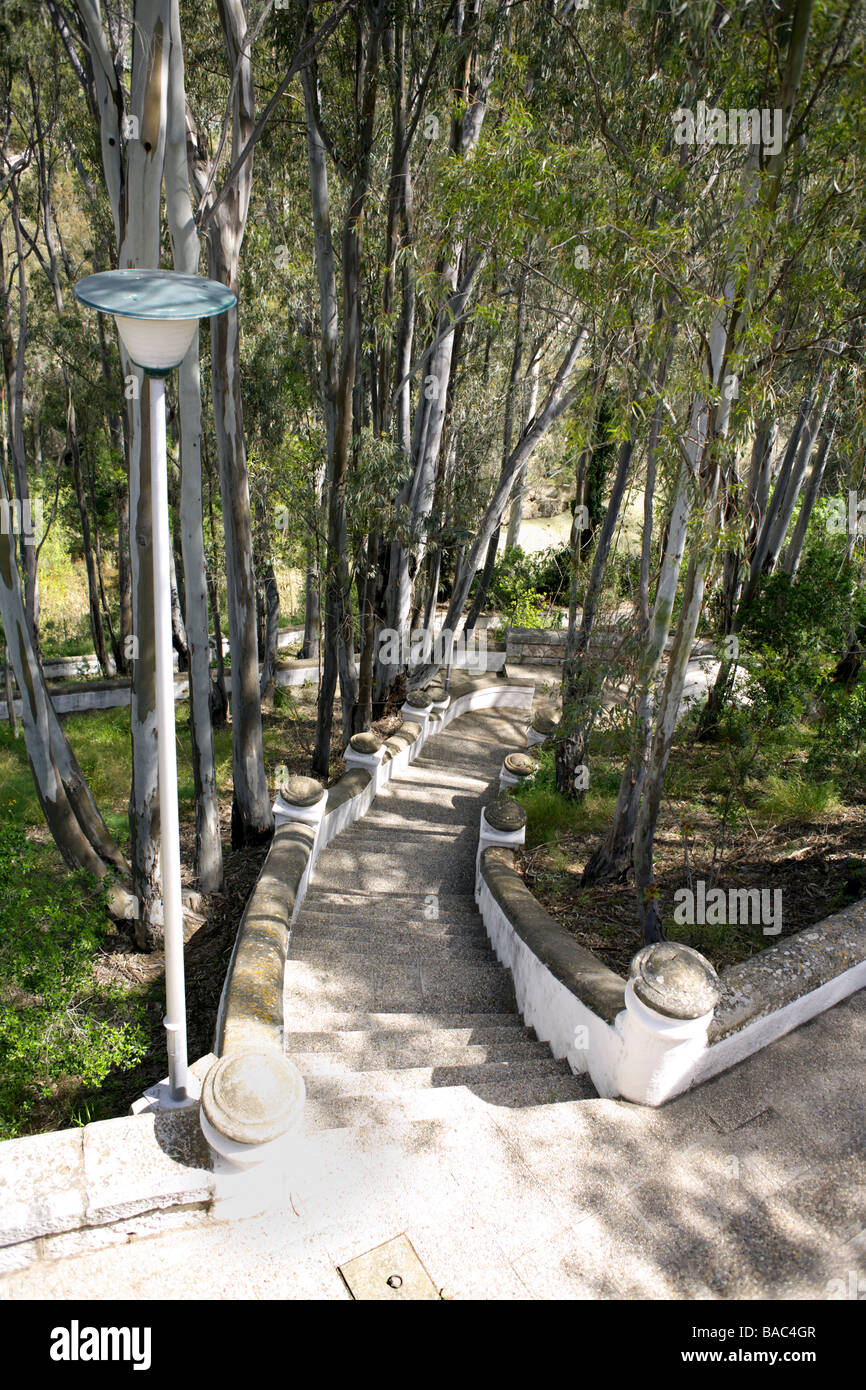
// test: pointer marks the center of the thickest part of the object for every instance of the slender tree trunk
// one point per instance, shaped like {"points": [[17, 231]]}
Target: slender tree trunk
{"points": [[507, 432], [96, 628], [794, 552], [613, 857], [559, 398], [7, 686], [27, 549], [515, 516], [218, 701], [582, 680], [42, 734]]}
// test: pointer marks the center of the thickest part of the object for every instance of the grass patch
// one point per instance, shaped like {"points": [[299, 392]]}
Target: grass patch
{"points": [[61, 1032], [793, 800], [551, 816]]}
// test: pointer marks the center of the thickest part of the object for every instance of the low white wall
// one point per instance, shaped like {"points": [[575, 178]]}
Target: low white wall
{"points": [[762, 1031], [559, 1018], [620, 1068]]}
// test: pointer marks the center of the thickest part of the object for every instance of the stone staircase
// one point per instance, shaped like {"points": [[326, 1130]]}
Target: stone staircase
{"points": [[396, 1009]]}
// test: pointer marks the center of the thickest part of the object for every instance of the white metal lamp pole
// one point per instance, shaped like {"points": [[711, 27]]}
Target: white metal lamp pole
{"points": [[169, 822], [157, 314]]}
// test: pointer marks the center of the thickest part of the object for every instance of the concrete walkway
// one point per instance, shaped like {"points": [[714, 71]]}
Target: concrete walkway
{"points": [[433, 1112]]}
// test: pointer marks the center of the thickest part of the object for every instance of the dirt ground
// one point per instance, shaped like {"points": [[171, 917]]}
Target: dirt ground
{"points": [[818, 868]]}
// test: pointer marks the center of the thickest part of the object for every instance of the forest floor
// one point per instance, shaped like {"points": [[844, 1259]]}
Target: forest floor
{"points": [[819, 869], [729, 820]]}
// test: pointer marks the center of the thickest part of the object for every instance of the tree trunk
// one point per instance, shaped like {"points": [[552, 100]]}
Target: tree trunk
{"points": [[582, 680], [614, 855], [559, 398], [515, 516], [95, 608], [218, 697], [26, 546], [794, 553]]}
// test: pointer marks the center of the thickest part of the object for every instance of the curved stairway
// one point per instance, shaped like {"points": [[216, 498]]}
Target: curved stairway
{"points": [[395, 1005]]}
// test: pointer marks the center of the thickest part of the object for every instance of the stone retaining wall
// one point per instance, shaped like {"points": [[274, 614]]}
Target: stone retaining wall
{"points": [[527, 646]]}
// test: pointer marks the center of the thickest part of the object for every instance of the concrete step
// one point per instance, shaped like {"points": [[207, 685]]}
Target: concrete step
{"points": [[348, 934], [338, 899], [381, 951], [393, 1081], [408, 1034], [387, 914], [332, 1022], [393, 1051], [391, 876], [387, 987], [451, 1103]]}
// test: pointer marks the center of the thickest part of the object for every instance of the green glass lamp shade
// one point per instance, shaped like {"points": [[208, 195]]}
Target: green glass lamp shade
{"points": [[157, 312]]}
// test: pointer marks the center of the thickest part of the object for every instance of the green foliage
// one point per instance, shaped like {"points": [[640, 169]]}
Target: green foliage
{"points": [[59, 1029], [550, 816], [524, 586], [793, 799], [795, 633], [513, 589]]}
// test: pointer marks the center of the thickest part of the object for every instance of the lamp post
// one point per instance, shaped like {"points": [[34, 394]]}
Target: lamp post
{"points": [[157, 313]]}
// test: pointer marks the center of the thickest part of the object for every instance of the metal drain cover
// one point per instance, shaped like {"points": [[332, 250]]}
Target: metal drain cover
{"points": [[391, 1271]]}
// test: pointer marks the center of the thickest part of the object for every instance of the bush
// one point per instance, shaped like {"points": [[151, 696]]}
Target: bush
{"points": [[792, 800], [793, 635], [524, 586], [59, 1029], [513, 590]]}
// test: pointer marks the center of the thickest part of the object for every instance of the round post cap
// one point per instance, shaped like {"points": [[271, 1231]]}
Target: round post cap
{"points": [[505, 814], [674, 980], [302, 791], [543, 724], [520, 764], [253, 1096], [367, 742]]}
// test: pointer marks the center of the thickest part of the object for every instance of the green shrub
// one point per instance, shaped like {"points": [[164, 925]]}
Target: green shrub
{"points": [[60, 1031], [792, 799], [513, 589]]}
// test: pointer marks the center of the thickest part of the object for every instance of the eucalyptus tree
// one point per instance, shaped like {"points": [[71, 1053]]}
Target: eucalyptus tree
{"points": [[708, 428]]}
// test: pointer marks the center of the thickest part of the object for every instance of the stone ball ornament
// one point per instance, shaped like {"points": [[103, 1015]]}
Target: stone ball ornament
{"points": [[302, 791], [521, 765], [419, 699], [674, 980], [253, 1097], [365, 743], [505, 814], [543, 724]]}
